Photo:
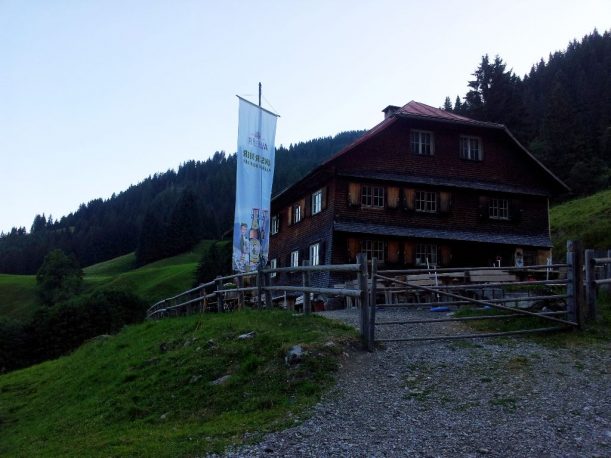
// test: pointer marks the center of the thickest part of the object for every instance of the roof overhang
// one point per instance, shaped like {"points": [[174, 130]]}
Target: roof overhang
{"points": [[445, 182], [496, 238]]}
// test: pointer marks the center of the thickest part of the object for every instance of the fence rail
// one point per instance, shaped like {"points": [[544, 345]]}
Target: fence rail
{"points": [[186, 303]]}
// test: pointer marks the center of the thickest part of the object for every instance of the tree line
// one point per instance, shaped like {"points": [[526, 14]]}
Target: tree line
{"points": [[163, 215]]}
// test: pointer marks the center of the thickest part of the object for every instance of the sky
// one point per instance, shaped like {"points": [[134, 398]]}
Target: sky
{"points": [[97, 95]]}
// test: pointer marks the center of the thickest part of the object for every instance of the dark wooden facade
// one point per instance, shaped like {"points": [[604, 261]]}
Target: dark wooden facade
{"points": [[382, 195]]}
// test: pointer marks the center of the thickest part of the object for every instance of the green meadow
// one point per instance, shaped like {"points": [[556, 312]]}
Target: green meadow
{"points": [[150, 391]]}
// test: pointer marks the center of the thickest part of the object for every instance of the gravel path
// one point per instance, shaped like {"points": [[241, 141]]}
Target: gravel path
{"points": [[486, 397]]}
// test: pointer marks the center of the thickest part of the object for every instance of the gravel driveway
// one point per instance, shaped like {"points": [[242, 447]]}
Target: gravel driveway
{"points": [[486, 397]]}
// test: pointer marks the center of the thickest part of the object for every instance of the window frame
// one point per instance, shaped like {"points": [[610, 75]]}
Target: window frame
{"points": [[273, 264], [417, 145], [315, 257], [316, 201], [374, 248], [469, 153], [368, 194], [297, 213], [426, 249], [497, 211], [295, 258], [275, 224], [426, 201]]}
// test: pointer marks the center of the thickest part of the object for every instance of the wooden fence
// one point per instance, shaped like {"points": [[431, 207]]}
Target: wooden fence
{"points": [[256, 288], [598, 273], [219, 294]]}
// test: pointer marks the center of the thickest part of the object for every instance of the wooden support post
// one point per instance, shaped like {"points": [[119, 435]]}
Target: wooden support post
{"points": [[307, 305], [219, 294], [361, 259], [574, 287], [590, 284], [259, 288], [268, 293], [608, 272], [372, 304], [240, 283]]}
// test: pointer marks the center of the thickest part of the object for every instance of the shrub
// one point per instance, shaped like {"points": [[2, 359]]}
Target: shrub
{"points": [[61, 328]]}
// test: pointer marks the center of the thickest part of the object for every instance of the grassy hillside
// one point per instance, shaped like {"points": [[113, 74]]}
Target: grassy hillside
{"points": [[587, 219], [152, 282], [17, 296], [147, 391]]}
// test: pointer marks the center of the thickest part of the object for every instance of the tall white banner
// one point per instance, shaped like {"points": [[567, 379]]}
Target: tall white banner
{"points": [[254, 177]]}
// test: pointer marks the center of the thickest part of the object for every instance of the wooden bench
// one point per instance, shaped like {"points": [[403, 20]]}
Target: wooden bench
{"points": [[412, 294], [490, 276]]}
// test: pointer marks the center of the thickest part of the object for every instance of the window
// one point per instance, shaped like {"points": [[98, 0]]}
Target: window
{"points": [[297, 216], [374, 249], [317, 202], [498, 209], [471, 148], [426, 201], [295, 258], [421, 142], [372, 196], [426, 253], [315, 254], [273, 263], [275, 224]]}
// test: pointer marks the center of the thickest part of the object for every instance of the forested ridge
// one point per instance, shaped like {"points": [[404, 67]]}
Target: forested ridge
{"points": [[163, 215], [560, 110]]}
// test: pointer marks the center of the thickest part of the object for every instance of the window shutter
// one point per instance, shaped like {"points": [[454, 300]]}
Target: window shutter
{"points": [[393, 251], [410, 196], [515, 211], [445, 201], [322, 253], [446, 255], [307, 205], [483, 208], [393, 197], [542, 256], [408, 252], [353, 248], [354, 194], [302, 203], [324, 198], [290, 214]]}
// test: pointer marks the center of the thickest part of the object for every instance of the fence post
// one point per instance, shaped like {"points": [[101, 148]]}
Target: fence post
{"points": [[574, 287], [608, 272], [372, 304], [219, 295], [361, 259], [590, 284], [305, 275], [240, 283], [259, 287], [268, 293]]}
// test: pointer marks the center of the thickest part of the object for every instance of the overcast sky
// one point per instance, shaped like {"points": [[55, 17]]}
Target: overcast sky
{"points": [[97, 95]]}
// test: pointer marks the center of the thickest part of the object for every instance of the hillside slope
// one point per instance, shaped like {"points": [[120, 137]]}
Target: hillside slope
{"points": [[148, 391], [151, 282], [587, 219]]}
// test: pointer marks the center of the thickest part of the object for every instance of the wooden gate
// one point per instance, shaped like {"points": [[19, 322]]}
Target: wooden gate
{"points": [[551, 292]]}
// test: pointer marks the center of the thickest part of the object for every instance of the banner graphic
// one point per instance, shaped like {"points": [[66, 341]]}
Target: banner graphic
{"points": [[254, 177]]}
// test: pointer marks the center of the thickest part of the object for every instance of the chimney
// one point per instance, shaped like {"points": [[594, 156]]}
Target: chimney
{"points": [[389, 111]]}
